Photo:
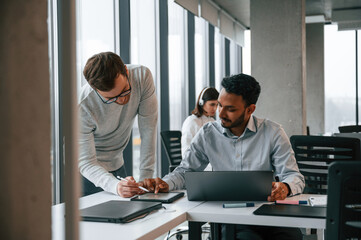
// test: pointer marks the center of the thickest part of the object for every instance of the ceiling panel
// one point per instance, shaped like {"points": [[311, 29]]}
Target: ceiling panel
{"points": [[240, 9]]}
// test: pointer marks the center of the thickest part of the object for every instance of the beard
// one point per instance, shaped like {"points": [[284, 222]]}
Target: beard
{"points": [[238, 122]]}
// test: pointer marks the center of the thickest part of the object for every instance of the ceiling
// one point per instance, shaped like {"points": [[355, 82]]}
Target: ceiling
{"points": [[347, 10]]}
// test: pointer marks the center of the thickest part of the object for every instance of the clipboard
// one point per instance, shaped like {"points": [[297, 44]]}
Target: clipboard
{"points": [[159, 197]]}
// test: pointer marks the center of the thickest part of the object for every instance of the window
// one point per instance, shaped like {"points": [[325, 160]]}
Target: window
{"points": [[340, 93], [218, 58], [359, 72], [143, 52], [177, 63], [95, 31], [233, 58], [246, 53], [201, 54]]}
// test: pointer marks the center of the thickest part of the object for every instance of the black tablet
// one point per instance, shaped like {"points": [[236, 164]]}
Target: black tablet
{"points": [[291, 211], [160, 197]]}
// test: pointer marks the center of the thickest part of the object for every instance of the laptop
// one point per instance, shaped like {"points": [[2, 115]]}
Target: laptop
{"points": [[291, 211], [118, 211], [229, 185]]}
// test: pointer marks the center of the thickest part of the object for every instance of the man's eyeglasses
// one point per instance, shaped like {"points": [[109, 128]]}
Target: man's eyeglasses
{"points": [[113, 99]]}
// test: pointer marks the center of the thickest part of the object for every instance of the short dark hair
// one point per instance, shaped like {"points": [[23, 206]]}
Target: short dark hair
{"points": [[208, 95], [102, 69], [243, 85]]}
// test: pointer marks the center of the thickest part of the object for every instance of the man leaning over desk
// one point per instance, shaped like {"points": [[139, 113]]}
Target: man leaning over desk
{"points": [[114, 96], [241, 141]]}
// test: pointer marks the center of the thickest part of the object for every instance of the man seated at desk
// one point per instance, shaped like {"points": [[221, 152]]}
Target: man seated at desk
{"points": [[241, 141]]}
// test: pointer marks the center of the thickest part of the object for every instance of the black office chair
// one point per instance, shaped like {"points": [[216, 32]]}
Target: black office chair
{"points": [[314, 154], [171, 141], [344, 201], [350, 129]]}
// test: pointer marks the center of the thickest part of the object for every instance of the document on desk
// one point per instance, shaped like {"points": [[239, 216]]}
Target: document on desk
{"points": [[320, 201]]}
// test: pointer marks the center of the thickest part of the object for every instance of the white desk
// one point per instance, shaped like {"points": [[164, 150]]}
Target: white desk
{"points": [[160, 222], [151, 227], [215, 213]]}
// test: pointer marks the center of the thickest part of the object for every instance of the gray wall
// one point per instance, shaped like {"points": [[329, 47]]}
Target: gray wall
{"points": [[315, 78], [25, 182], [278, 61]]}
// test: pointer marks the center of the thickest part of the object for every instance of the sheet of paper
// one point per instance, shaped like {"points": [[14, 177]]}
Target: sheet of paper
{"points": [[318, 201]]}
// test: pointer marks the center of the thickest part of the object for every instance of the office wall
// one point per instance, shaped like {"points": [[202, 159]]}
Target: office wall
{"points": [[278, 61], [315, 100], [25, 181]]}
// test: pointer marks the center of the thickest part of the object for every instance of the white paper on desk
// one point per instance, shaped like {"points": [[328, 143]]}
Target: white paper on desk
{"points": [[318, 201]]}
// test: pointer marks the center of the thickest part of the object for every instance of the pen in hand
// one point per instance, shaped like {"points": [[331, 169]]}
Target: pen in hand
{"points": [[144, 189]]}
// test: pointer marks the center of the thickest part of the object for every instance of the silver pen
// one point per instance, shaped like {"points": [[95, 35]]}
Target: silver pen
{"points": [[144, 189]]}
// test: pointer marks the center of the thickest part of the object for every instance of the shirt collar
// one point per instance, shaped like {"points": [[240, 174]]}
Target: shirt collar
{"points": [[251, 127]]}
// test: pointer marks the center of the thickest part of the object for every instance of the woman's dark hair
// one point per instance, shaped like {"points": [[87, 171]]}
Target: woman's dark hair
{"points": [[207, 94], [243, 85], [102, 69]]}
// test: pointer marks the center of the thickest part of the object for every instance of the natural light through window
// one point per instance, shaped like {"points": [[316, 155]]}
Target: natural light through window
{"points": [[340, 78]]}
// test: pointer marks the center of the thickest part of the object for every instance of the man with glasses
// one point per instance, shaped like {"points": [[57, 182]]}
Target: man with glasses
{"points": [[108, 105]]}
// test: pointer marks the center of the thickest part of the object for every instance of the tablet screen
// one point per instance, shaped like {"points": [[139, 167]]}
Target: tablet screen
{"points": [[161, 197]]}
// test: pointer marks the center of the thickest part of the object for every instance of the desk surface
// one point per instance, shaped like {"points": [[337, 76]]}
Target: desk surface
{"points": [[151, 227], [161, 221], [214, 212]]}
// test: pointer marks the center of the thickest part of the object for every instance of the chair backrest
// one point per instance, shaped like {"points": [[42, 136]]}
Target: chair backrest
{"points": [[350, 129], [343, 219], [171, 140], [314, 154]]}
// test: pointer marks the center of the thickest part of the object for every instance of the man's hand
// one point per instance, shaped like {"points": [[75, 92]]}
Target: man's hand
{"points": [[279, 191], [155, 185], [128, 188]]}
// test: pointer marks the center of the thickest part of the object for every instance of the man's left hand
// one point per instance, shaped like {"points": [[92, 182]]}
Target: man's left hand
{"points": [[279, 191]]}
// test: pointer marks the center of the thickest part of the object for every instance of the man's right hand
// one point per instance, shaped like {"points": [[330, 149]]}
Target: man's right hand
{"points": [[155, 185], [128, 188]]}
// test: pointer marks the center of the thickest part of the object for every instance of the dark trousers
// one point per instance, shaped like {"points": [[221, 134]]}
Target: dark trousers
{"points": [[90, 188], [248, 232]]}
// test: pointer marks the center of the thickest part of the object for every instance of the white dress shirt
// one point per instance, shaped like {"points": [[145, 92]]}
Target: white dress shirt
{"points": [[190, 127], [263, 145]]}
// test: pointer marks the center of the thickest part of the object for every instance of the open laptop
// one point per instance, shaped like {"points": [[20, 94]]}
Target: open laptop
{"points": [[118, 211], [229, 186]]}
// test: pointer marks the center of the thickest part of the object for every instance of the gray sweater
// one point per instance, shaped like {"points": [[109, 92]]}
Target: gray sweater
{"points": [[105, 130]]}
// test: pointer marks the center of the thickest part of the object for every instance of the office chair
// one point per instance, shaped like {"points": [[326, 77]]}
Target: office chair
{"points": [[314, 154], [350, 129], [343, 219], [171, 141]]}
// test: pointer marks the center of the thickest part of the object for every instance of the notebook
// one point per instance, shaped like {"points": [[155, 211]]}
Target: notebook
{"points": [[118, 211], [291, 211], [229, 186], [159, 197]]}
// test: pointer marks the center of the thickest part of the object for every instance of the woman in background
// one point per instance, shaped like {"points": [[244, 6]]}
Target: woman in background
{"points": [[203, 112]]}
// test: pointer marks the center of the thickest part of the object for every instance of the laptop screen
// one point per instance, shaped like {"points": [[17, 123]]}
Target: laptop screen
{"points": [[229, 185]]}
